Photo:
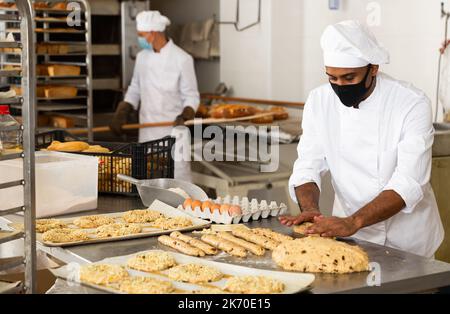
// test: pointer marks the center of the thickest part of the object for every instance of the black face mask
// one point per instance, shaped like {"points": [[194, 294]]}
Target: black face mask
{"points": [[352, 95]]}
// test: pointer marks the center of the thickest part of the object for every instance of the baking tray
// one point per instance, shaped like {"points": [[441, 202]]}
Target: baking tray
{"points": [[294, 282], [149, 231]]}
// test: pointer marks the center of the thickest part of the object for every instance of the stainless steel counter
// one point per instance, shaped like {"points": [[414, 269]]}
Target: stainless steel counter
{"points": [[401, 272]]}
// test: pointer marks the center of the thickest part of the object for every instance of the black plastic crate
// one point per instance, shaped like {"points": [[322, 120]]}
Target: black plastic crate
{"points": [[149, 160]]}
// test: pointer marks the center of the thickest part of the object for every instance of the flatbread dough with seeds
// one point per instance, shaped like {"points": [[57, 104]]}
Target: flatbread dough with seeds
{"points": [[180, 246], [208, 249], [117, 230], [251, 247], [266, 232], [224, 245], [88, 222], [248, 235], [43, 225], [102, 274], [194, 273], [151, 261], [253, 285], [145, 285], [64, 235], [320, 255], [141, 216], [167, 223]]}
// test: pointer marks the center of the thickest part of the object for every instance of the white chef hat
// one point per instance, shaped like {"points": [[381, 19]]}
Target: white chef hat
{"points": [[151, 21], [349, 44]]}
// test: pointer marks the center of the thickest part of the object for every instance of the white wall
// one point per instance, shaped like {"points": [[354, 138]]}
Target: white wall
{"points": [[281, 58], [185, 11]]}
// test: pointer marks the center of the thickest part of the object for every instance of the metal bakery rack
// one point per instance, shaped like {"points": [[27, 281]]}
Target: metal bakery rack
{"points": [[66, 25], [24, 17]]}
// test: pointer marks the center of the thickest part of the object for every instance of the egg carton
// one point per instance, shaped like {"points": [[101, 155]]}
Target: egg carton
{"points": [[250, 210]]}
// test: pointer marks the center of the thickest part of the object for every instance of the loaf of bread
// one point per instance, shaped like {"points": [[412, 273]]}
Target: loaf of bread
{"points": [[280, 113], [60, 91], [230, 111], [263, 120], [71, 147], [62, 70], [59, 6], [54, 49]]}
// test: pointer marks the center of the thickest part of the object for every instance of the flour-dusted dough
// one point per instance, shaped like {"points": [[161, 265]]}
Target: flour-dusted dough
{"points": [[151, 261], [224, 245], [194, 273], [145, 285], [266, 232], [316, 254], [208, 249], [64, 235], [254, 248], [88, 222], [102, 274], [117, 230], [43, 225], [253, 285], [248, 235], [141, 216], [180, 246], [168, 223]]}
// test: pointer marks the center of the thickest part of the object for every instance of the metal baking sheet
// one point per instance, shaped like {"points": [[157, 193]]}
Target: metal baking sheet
{"points": [[293, 282], [147, 230]]}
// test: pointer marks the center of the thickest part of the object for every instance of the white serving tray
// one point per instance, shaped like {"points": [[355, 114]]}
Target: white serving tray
{"points": [[294, 282]]}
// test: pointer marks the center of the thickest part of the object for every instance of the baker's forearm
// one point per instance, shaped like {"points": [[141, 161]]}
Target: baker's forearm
{"points": [[308, 195], [384, 206]]}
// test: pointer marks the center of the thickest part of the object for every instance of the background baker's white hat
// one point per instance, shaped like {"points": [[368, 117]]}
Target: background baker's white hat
{"points": [[349, 44], [151, 21]]}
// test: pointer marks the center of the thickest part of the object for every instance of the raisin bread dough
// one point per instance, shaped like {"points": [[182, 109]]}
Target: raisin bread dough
{"points": [[145, 285], [102, 274], [253, 285], [141, 216], [194, 273], [151, 261], [320, 255], [88, 222]]}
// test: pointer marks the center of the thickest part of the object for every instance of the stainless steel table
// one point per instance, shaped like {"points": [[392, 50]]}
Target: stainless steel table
{"points": [[400, 272]]}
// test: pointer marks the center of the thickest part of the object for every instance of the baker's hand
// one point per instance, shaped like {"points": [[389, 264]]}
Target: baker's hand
{"points": [[333, 226], [305, 216], [187, 114], [120, 117]]}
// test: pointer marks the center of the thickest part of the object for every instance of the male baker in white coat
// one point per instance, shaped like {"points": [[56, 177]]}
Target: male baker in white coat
{"points": [[164, 83], [374, 134]]}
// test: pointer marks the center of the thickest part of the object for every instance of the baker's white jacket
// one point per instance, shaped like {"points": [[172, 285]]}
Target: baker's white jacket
{"points": [[164, 83], [383, 145]]}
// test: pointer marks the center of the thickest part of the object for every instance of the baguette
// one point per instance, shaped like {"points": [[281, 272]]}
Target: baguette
{"points": [[266, 232], [208, 249], [224, 245], [254, 248], [180, 246], [248, 235]]}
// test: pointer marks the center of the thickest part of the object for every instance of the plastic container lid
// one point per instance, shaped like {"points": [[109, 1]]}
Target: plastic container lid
{"points": [[4, 109]]}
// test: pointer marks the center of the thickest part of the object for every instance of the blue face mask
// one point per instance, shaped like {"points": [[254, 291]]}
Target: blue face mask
{"points": [[144, 44]]}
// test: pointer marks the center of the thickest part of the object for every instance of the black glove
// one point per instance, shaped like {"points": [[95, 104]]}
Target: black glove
{"points": [[120, 117], [187, 114]]}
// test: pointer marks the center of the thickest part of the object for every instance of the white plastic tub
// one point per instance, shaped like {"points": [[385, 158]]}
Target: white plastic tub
{"points": [[65, 183]]}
